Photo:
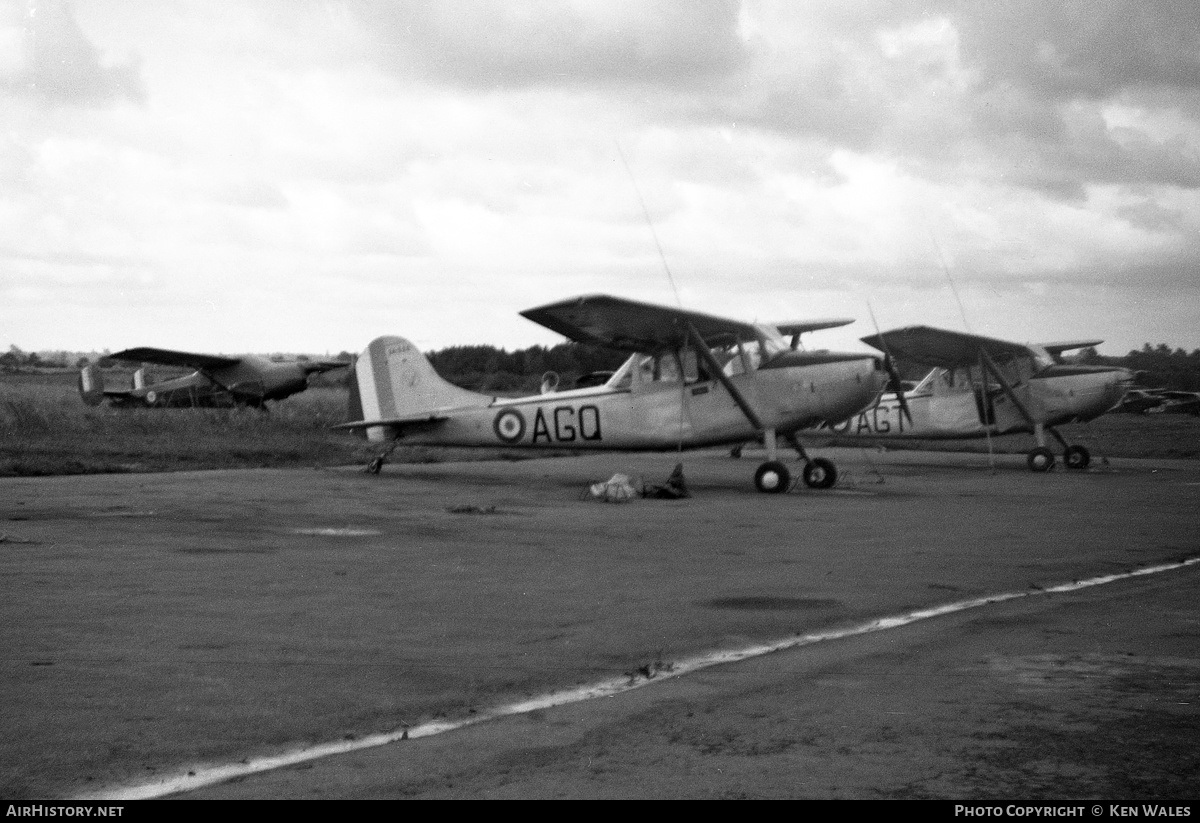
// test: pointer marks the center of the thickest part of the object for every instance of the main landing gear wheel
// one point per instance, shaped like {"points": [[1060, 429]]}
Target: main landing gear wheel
{"points": [[819, 474], [772, 477], [1040, 460], [1076, 457]]}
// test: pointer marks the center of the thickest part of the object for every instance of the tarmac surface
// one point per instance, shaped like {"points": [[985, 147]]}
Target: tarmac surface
{"points": [[158, 625]]}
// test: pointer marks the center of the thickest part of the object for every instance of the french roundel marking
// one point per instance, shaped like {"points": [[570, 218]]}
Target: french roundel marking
{"points": [[509, 425]]}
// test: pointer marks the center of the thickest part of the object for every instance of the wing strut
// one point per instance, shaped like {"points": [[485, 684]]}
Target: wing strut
{"points": [[719, 373], [990, 366]]}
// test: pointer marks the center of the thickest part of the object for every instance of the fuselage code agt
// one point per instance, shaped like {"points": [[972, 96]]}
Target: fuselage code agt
{"points": [[1096, 810]]}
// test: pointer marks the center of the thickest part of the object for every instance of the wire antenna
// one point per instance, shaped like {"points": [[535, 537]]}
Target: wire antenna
{"points": [[649, 222], [946, 269]]}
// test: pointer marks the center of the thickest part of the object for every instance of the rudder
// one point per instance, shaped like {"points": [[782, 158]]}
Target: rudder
{"points": [[91, 385]]}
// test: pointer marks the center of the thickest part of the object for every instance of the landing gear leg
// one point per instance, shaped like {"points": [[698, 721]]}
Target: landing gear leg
{"points": [[1074, 457], [772, 477], [819, 473], [377, 462], [1040, 459]]}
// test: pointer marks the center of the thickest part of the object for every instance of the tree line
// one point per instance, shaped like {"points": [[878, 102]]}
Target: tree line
{"points": [[491, 369], [1158, 367]]}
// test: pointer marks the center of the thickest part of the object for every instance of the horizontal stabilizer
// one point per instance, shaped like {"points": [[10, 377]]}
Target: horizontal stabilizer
{"points": [[321, 366], [430, 419]]}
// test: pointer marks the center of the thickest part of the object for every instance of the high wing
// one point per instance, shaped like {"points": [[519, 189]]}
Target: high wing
{"points": [[1069, 345], [636, 327], [802, 326], [945, 349], [320, 366], [166, 357]]}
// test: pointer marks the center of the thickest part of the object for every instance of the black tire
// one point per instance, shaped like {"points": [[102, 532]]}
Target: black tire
{"points": [[1076, 457], [1040, 460], [772, 477], [820, 474]]}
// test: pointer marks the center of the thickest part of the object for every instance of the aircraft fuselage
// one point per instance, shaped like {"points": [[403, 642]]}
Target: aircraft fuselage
{"points": [[666, 414]]}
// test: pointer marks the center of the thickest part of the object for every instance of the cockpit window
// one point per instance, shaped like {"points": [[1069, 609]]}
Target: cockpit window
{"points": [[622, 378], [746, 357]]}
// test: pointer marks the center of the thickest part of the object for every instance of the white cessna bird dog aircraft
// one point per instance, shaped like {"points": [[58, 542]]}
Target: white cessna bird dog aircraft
{"points": [[691, 380], [981, 386]]}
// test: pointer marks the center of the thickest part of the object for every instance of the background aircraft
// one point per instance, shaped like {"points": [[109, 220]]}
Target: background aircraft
{"points": [[1159, 401], [981, 386], [1137, 401], [248, 380], [691, 380]]}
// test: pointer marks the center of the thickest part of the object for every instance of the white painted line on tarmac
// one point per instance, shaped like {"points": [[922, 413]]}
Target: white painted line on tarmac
{"points": [[200, 776]]}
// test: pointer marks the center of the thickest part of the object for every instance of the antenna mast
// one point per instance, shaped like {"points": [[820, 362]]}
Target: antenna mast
{"points": [[649, 222]]}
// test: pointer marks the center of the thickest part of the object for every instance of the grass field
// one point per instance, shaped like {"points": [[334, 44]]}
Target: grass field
{"points": [[45, 429]]}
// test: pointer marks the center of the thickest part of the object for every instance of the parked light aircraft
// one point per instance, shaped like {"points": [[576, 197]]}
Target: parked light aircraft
{"points": [[691, 380], [1178, 402], [1137, 401], [219, 380], [1159, 401], [981, 386]]}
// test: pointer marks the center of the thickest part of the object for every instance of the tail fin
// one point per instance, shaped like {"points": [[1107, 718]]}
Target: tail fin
{"points": [[139, 379], [393, 381], [91, 385]]}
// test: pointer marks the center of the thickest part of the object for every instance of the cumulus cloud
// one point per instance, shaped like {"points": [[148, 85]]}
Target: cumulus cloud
{"points": [[486, 44], [1064, 51], [1016, 93], [432, 166], [61, 65]]}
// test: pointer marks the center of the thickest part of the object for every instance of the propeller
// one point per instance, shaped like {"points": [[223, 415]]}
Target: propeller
{"points": [[895, 384]]}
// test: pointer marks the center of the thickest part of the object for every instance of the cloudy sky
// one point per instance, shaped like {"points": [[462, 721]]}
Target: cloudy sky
{"points": [[303, 176]]}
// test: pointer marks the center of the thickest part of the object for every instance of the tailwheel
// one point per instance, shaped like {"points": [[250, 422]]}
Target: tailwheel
{"points": [[1040, 459], [1076, 457], [772, 477], [819, 474]]}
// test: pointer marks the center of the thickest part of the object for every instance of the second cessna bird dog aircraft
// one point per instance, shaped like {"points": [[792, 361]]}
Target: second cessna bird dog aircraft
{"points": [[691, 380], [981, 386]]}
